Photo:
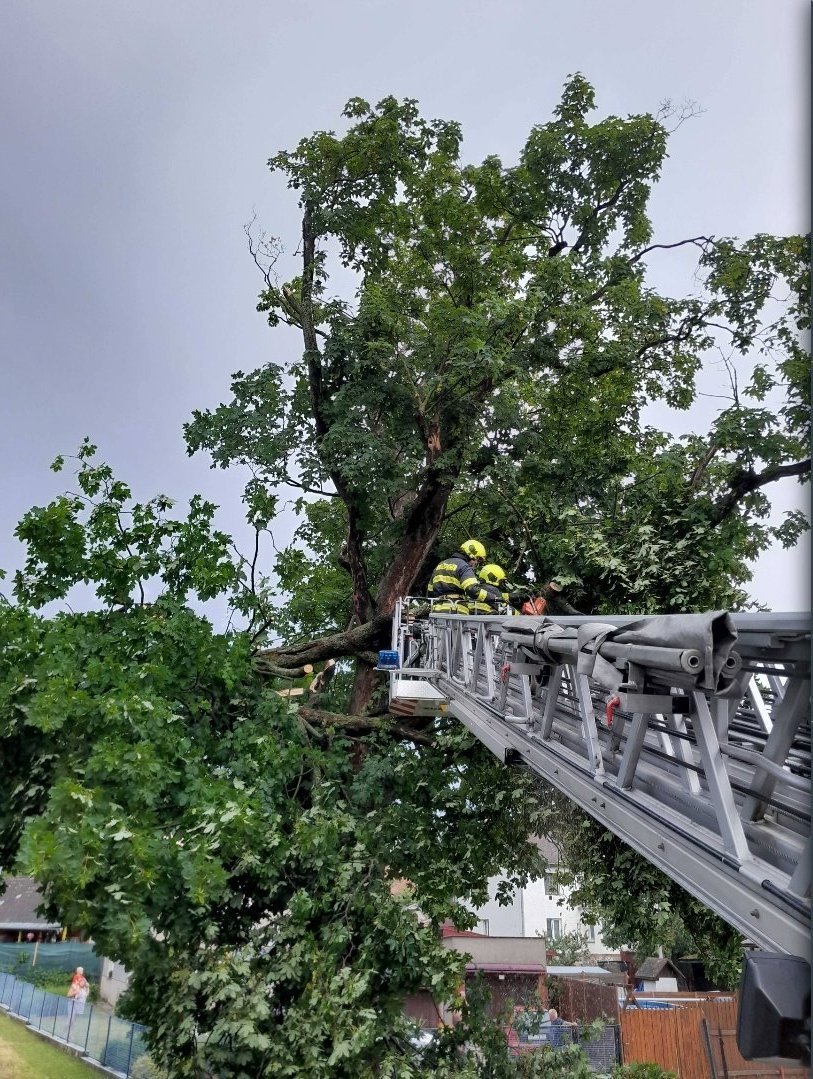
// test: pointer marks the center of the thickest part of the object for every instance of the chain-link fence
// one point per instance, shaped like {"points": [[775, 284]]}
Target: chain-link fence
{"points": [[102, 1037], [602, 1050]]}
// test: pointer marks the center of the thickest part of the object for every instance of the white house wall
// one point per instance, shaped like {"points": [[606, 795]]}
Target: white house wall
{"points": [[113, 980], [540, 906], [527, 915], [497, 921]]}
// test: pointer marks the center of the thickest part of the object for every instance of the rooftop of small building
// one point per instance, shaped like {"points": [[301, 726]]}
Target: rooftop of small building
{"points": [[18, 906]]}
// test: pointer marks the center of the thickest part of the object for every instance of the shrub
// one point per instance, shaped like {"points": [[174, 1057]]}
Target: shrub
{"points": [[146, 1068], [641, 1071]]}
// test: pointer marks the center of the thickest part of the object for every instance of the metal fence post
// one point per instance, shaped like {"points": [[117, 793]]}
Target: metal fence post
{"points": [[130, 1050], [107, 1039]]}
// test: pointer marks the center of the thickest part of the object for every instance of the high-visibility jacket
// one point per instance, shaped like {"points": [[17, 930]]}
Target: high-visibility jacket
{"points": [[494, 599], [456, 585], [514, 596]]}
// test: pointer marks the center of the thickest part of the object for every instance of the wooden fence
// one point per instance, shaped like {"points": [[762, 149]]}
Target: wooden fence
{"points": [[696, 1039]]}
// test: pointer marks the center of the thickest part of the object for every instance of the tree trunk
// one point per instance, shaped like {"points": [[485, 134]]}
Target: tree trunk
{"points": [[421, 528]]}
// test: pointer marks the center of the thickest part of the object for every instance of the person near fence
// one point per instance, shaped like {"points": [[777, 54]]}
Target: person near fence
{"points": [[79, 991], [556, 1024]]}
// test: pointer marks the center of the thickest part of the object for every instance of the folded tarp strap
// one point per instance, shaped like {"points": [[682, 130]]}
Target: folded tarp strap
{"points": [[708, 637], [711, 633], [589, 638]]}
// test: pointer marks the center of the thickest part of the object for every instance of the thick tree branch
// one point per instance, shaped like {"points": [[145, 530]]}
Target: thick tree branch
{"points": [[308, 329], [265, 666], [351, 642], [581, 239], [681, 334], [745, 481], [362, 725], [698, 241]]}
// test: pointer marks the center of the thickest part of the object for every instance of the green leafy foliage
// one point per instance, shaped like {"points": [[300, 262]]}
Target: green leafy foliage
{"points": [[570, 948], [641, 1071], [99, 537], [238, 862], [146, 1068]]}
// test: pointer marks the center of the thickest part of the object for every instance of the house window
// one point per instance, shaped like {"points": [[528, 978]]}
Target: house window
{"points": [[554, 929], [551, 884], [590, 930]]}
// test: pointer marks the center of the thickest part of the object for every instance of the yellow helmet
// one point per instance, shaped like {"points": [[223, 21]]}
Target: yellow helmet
{"points": [[492, 574], [473, 549]]}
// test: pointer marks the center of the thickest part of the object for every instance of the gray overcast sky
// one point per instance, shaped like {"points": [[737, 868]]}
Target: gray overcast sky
{"points": [[135, 135]]}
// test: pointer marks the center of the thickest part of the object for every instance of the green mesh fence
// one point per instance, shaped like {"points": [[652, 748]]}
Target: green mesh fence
{"points": [[65, 955]]}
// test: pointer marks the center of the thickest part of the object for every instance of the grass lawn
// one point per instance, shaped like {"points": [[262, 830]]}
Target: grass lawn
{"points": [[25, 1056]]}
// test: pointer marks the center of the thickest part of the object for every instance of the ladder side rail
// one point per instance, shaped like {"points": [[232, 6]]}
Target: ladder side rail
{"points": [[632, 750], [676, 723], [758, 704], [688, 783], [717, 778], [649, 829], [551, 698], [488, 667], [588, 719], [519, 690], [477, 659], [787, 715], [800, 882]]}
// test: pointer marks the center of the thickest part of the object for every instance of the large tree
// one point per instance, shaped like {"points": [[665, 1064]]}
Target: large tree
{"points": [[479, 345]]}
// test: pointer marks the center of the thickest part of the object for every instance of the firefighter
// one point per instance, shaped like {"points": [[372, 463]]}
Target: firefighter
{"points": [[500, 592], [492, 578], [454, 582]]}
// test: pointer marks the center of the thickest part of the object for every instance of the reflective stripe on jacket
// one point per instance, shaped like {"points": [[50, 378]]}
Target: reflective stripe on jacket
{"points": [[515, 597], [491, 604], [451, 606]]}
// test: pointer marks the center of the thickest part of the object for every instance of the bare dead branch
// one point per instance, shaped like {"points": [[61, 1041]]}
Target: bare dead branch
{"points": [[703, 464], [264, 252]]}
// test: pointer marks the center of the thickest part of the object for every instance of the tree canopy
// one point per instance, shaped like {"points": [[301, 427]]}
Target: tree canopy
{"points": [[480, 344]]}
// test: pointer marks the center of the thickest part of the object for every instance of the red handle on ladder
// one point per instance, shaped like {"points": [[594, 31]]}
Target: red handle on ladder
{"points": [[609, 709]]}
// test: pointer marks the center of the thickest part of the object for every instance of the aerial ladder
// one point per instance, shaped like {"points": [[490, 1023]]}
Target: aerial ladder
{"points": [[688, 736]]}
